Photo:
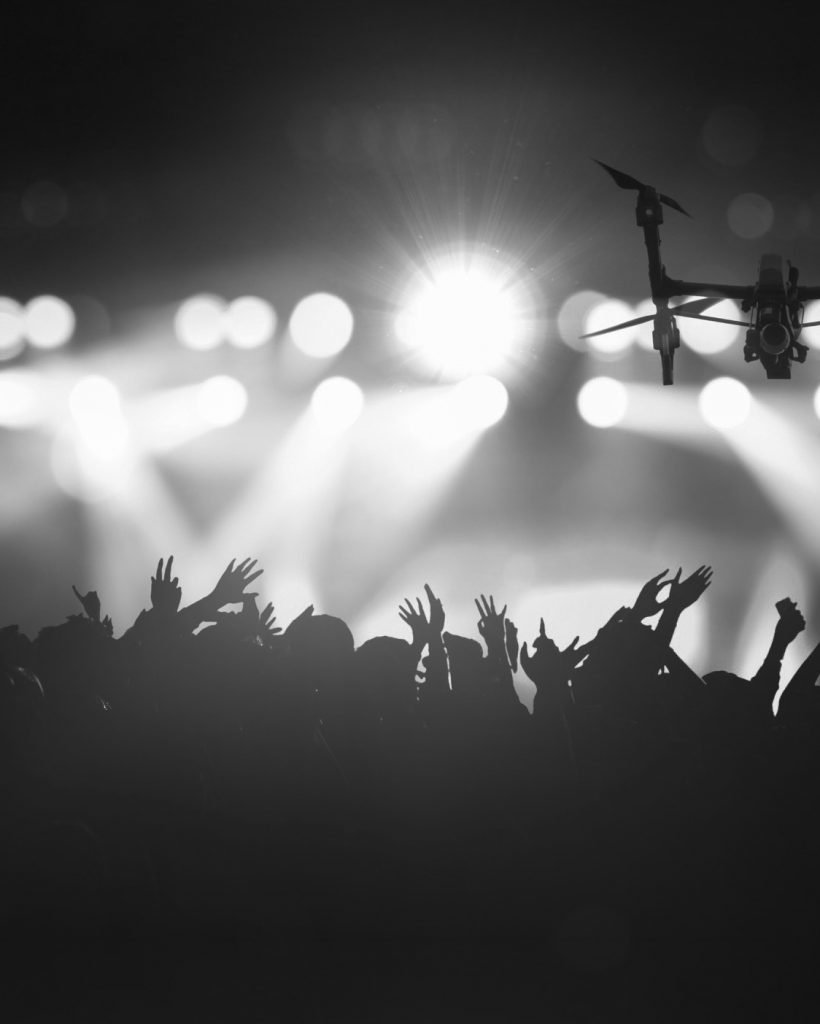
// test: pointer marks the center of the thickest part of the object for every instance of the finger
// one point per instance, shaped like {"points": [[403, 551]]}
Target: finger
{"points": [[492, 604], [247, 582], [659, 576], [503, 612], [542, 631], [79, 595], [168, 568], [480, 609], [175, 582], [159, 569], [431, 597], [676, 577], [420, 607]]}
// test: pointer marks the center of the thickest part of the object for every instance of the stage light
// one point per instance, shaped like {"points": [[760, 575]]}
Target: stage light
{"points": [[199, 323], [708, 338], [465, 315], [479, 402], [321, 325], [607, 314], [337, 403], [602, 402], [221, 401], [11, 328], [249, 322], [48, 322], [725, 403], [20, 399]]}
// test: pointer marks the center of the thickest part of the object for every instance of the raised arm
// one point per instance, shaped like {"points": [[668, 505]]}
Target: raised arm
{"points": [[789, 624]]}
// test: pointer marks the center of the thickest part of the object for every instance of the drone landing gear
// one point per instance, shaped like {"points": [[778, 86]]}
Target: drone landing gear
{"points": [[665, 339]]}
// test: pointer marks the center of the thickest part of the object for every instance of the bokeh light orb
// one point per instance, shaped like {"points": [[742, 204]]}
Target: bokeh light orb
{"points": [[321, 325], [337, 403], [465, 315], [480, 401], [750, 215], [221, 400], [608, 313], [94, 398], [643, 332], [572, 317], [48, 322], [811, 335], [12, 328], [708, 338], [21, 401], [725, 403], [249, 322], [199, 323], [602, 402]]}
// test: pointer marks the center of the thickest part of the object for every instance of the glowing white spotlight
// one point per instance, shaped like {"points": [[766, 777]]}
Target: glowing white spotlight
{"points": [[466, 315], [602, 402], [607, 314], [480, 401], [337, 403], [199, 323], [21, 402], [321, 325], [811, 335], [11, 328], [221, 401], [725, 403], [706, 337], [817, 402], [249, 322], [48, 322]]}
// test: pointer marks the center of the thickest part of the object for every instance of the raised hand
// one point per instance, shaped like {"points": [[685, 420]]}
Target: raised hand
{"points": [[511, 643], [684, 593], [646, 603], [416, 620], [165, 591], [230, 587], [791, 621], [267, 629], [491, 622], [549, 662], [90, 603], [424, 628]]}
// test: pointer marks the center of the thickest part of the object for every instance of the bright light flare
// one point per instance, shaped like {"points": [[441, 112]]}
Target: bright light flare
{"points": [[321, 325], [607, 314], [21, 404], [48, 322], [602, 402], [221, 401], [337, 403], [200, 321], [725, 403], [249, 322], [464, 316], [572, 317]]}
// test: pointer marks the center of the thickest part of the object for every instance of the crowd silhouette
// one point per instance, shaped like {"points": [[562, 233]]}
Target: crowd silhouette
{"points": [[208, 774]]}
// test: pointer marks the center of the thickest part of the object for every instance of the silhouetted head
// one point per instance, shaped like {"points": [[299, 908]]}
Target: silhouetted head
{"points": [[388, 666], [321, 647]]}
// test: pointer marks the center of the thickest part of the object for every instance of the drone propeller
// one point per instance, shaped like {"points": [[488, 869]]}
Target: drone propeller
{"points": [[692, 308], [627, 181]]}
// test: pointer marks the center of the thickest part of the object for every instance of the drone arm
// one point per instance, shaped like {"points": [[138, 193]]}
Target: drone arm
{"points": [[726, 291]]}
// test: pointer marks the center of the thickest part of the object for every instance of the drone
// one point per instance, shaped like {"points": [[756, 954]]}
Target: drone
{"points": [[775, 302]]}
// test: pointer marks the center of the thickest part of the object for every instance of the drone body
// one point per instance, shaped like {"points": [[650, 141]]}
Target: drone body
{"points": [[775, 302]]}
